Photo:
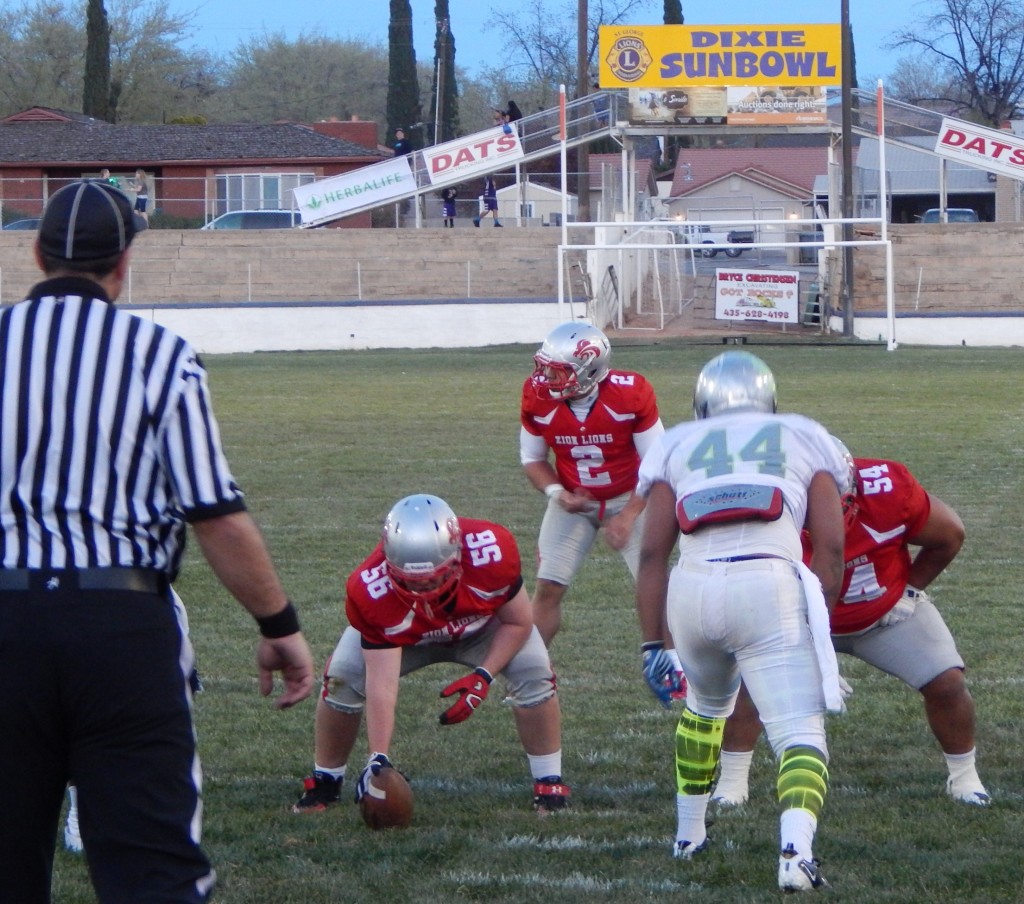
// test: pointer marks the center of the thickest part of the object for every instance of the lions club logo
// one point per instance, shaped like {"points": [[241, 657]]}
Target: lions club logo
{"points": [[629, 58]]}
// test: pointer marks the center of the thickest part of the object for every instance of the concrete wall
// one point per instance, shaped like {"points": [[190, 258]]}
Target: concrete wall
{"points": [[172, 266]]}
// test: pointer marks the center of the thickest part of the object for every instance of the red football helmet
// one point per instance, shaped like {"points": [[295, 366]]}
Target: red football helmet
{"points": [[423, 550], [574, 358]]}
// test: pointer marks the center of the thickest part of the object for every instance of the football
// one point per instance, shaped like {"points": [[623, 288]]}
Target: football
{"points": [[387, 803]]}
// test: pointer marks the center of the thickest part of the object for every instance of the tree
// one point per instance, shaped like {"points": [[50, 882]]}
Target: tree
{"points": [[272, 79], [403, 101], [96, 93], [674, 13], [540, 47], [976, 49]]}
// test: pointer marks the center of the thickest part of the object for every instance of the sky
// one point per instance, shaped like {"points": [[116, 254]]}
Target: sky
{"points": [[221, 25]]}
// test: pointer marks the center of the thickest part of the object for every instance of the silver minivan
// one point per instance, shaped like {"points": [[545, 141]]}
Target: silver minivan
{"points": [[255, 219]]}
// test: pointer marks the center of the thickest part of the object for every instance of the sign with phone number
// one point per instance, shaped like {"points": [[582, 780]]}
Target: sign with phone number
{"points": [[767, 296]]}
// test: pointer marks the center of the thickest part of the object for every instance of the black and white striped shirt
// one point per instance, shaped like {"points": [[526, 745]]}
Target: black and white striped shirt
{"points": [[108, 442]]}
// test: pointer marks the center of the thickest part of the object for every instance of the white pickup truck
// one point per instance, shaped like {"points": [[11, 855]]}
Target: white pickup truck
{"points": [[695, 234]]}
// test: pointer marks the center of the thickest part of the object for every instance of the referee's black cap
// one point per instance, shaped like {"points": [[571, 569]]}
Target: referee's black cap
{"points": [[88, 221]]}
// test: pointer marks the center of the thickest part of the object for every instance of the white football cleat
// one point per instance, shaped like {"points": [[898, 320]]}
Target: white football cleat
{"points": [[968, 791], [798, 874], [687, 850]]}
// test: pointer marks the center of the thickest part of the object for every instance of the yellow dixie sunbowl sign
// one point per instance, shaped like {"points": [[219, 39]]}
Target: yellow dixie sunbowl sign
{"points": [[658, 56]]}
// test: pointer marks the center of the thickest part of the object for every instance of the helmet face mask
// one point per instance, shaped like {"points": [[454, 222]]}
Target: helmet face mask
{"points": [[733, 382], [574, 358], [848, 493], [422, 551]]}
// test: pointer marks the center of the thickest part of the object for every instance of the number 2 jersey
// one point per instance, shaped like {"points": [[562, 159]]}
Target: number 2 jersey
{"points": [[491, 576], [892, 507], [597, 453]]}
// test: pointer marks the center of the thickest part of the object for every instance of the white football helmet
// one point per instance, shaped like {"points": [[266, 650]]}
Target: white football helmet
{"points": [[848, 493], [574, 358], [731, 382], [423, 551]]}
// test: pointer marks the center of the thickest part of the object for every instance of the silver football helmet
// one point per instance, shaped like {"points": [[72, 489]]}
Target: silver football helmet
{"points": [[574, 358], [848, 493], [423, 550], [731, 382]]}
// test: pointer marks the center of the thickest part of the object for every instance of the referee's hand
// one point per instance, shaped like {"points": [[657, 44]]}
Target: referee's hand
{"points": [[291, 657]]}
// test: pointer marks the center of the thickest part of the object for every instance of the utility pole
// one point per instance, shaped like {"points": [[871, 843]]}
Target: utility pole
{"points": [[582, 89], [439, 76], [848, 77]]}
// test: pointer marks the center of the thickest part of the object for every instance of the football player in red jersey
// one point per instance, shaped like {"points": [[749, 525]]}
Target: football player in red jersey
{"points": [[598, 422], [885, 618], [437, 588]]}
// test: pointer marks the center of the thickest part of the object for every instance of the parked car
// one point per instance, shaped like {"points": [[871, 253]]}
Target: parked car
{"points": [[953, 215], [255, 219], [27, 223]]}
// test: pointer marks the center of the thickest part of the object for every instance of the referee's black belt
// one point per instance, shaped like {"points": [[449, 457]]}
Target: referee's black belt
{"points": [[138, 580]]}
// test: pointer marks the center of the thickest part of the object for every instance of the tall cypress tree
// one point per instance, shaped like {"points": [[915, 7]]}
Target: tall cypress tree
{"points": [[674, 12], [444, 75], [403, 88], [96, 91]]}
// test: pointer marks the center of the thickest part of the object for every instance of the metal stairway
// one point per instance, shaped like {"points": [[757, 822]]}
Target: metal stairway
{"points": [[538, 134]]}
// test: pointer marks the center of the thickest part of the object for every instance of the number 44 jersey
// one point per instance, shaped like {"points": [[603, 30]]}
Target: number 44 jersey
{"points": [[596, 453]]}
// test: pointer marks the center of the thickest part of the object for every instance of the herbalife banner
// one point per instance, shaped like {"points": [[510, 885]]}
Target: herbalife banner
{"points": [[336, 196]]}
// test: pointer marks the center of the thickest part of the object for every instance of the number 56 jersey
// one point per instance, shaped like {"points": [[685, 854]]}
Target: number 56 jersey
{"points": [[491, 576], [597, 453]]}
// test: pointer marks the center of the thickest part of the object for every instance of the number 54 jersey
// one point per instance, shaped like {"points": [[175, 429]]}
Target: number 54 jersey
{"points": [[597, 453], [491, 576]]}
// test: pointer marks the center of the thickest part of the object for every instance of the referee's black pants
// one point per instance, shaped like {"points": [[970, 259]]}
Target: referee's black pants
{"points": [[95, 691]]}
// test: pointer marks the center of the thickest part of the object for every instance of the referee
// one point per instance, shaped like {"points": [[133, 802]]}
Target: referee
{"points": [[108, 447]]}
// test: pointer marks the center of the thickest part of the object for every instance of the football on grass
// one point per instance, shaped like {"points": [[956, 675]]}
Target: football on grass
{"points": [[387, 803]]}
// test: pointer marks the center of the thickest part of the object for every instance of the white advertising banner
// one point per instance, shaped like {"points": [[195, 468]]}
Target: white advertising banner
{"points": [[993, 149], [472, 155], [337, 195], [765, 296]]}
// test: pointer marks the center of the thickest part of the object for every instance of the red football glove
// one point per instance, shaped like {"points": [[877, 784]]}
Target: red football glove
{"points": [[472, 691]]}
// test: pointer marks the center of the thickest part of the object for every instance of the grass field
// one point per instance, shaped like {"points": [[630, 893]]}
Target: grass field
{"points": [[325, 443]]}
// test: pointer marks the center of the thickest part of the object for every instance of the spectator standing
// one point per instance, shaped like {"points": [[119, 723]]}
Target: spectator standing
{"points": [[885, 618], [110, 180], [490, 202], [141, 193], [513, 112], [448, 196], [117, 450], [734, 488], [437, 588], [402, 146]]}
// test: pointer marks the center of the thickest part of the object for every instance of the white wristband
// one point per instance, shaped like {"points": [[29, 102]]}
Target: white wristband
{"points": [[552, 490]]}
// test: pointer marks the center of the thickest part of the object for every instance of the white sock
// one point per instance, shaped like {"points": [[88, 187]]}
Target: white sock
{"points": [[73, 808], [735, 770], [332, 771], [797, 828], [962, 765], [690, 812], [545, 764]]}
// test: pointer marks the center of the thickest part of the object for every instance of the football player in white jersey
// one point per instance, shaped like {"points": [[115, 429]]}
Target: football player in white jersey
{"points": [[734, 488]]}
